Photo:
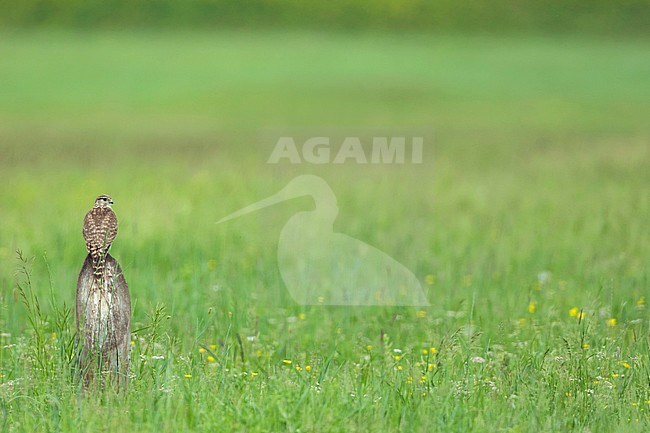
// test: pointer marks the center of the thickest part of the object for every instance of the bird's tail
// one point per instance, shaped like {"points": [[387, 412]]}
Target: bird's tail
{"points": [[99, 264]]}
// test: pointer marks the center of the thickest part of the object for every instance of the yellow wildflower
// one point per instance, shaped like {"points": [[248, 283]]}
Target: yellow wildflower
{"points": [[187, 376], [433, 350], [286, 361], [641, 301], [202, 350], [611, 322], [574, 312], [626, 365], [213, 347], [532, 306], [302, 316], [211, 358], [369, 348], [307, 367], [421, 314], [585, 345], [425, 351]]}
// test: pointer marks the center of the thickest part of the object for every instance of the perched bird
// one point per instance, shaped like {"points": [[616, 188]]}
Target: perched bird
{"points": [[99, 230], [103, 300]]}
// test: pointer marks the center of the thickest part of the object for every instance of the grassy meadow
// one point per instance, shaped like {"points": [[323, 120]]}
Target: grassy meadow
{"points": [[526, 223]]}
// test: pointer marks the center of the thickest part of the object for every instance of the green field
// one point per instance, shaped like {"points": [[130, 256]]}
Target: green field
{"points": [[527, 223]]}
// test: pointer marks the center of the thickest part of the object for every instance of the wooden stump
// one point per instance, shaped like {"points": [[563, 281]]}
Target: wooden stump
{"points": [[103, 323]]}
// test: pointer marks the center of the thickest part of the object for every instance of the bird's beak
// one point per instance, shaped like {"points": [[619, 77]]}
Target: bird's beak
{"points": [[269, 201]]}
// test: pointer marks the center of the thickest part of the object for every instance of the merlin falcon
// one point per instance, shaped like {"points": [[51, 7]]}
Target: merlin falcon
{"points": [[99, 230]]}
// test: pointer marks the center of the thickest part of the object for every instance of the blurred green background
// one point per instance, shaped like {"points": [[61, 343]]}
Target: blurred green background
{"points": [[598, 16], [540, 144]]}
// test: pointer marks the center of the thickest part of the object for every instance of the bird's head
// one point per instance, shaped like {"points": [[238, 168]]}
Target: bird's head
{"points": [[104, 200]]}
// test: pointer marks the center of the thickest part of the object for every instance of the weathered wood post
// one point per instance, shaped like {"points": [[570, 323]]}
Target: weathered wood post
{"points": [[103, 322]]}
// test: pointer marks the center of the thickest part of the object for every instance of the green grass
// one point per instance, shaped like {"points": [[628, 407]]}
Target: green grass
{"points": [[537, 164]]}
